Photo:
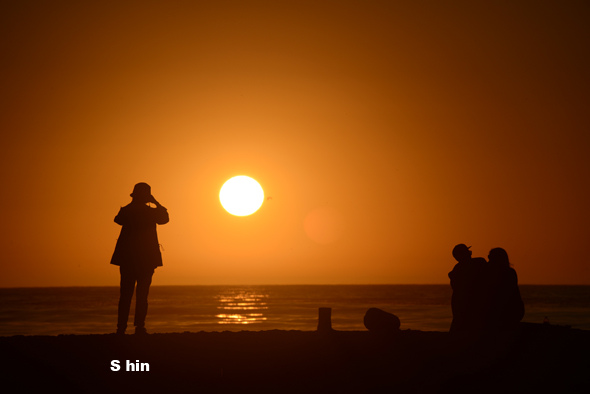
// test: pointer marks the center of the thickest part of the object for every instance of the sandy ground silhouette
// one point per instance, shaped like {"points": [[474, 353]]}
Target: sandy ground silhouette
{"points": [[542, 359]]}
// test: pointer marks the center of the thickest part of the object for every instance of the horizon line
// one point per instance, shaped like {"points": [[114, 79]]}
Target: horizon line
{"points": [[279, 284]]}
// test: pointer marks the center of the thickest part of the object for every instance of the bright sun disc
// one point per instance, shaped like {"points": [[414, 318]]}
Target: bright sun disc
{"points": [[241, 195]]}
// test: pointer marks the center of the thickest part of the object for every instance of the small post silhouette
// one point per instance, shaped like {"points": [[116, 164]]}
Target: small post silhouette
{"points": [[325, 319]]}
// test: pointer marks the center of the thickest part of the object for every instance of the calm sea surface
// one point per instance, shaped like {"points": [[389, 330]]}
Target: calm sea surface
{"points": [[92, 310]]}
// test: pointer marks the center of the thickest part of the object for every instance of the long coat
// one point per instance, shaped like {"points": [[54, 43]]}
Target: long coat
{"points": [[138, 242]]}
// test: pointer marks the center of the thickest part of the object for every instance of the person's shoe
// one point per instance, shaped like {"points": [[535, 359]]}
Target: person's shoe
{"points": [[140, 331], [120, 331]]}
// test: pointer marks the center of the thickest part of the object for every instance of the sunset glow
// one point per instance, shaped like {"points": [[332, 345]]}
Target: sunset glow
{"points": [[383, 133]]}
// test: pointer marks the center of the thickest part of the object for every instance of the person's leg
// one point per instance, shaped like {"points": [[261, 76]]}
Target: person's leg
{"points": [[126, 293], [144, 280]]}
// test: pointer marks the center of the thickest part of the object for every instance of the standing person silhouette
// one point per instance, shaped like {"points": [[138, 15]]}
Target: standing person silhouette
{"points": [[137, 253], [467, 302]]}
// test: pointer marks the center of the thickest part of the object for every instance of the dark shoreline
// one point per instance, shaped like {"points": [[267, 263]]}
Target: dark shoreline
{"points": [[540, 359]]}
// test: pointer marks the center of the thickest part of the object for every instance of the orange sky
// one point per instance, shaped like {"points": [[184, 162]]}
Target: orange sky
{"points": [[399, 128]]}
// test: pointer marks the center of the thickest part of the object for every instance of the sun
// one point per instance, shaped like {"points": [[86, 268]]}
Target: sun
{"points": [[241, 195]]}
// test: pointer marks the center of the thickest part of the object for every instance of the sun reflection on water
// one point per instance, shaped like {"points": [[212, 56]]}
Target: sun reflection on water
{"points": [[242, 306]]}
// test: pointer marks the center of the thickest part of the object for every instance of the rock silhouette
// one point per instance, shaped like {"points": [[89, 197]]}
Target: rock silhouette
{"points": [[379, 321]]}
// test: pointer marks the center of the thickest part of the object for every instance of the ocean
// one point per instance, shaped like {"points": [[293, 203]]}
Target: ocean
{"points": [[93, 310]]}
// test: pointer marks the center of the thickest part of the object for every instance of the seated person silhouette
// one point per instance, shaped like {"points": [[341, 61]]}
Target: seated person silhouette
{"points": [[467, 302], [506, 305], [137, 253]]}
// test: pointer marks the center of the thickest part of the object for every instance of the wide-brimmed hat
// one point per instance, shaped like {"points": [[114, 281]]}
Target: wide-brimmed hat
{"points": [[141, 189]]}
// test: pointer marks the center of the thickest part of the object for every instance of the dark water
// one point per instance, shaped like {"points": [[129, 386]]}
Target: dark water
{"points": [[86, 310]]}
